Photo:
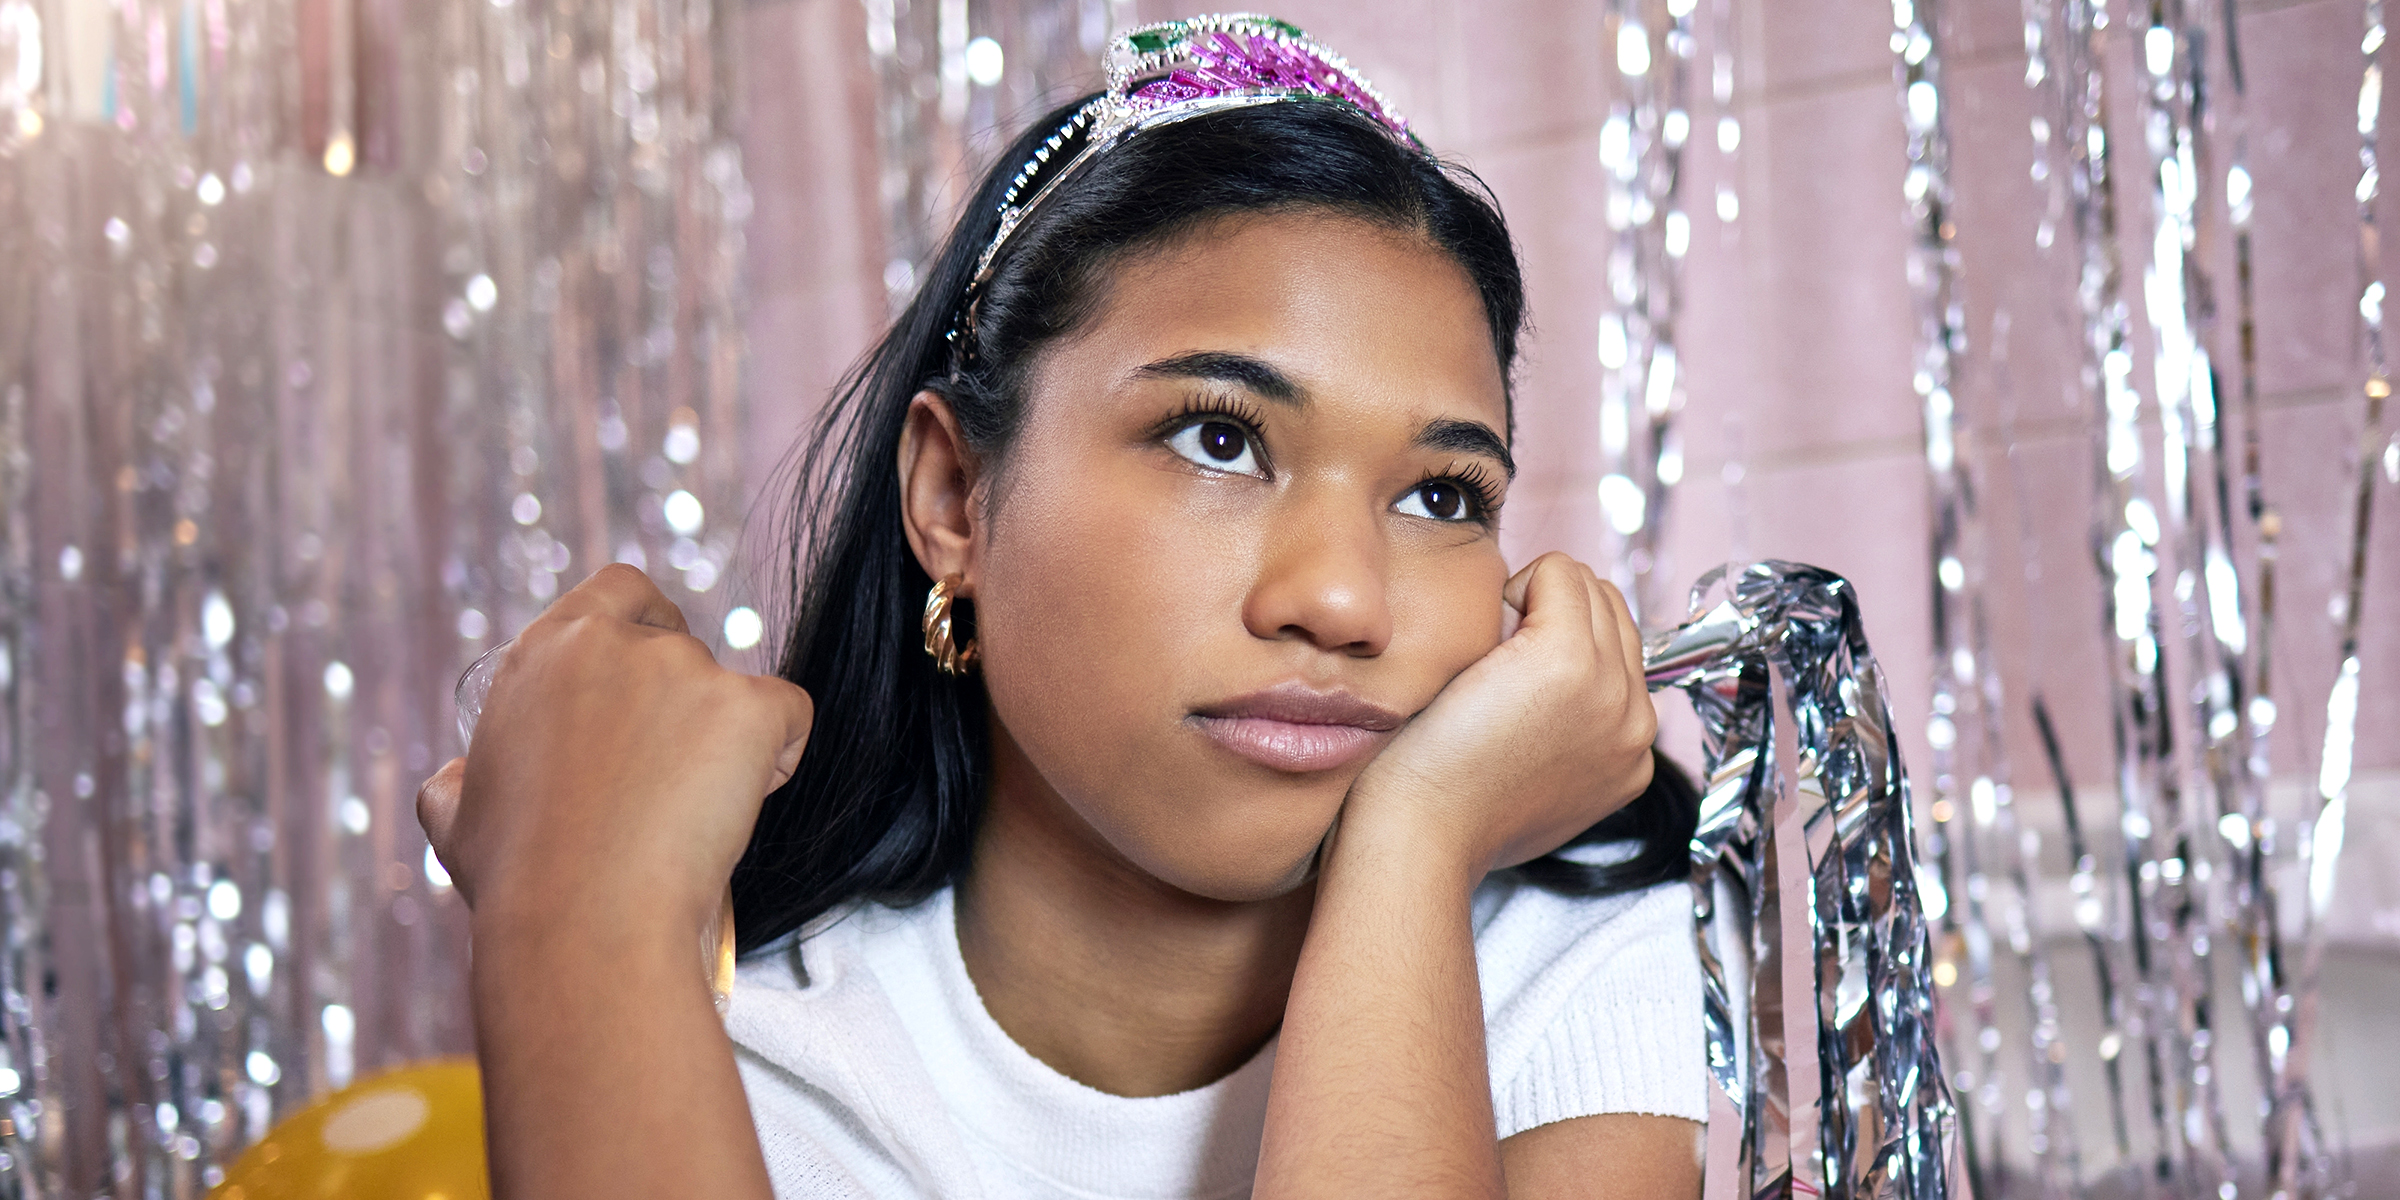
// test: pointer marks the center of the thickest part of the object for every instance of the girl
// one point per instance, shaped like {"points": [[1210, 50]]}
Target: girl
{"points": [[1166, 782]]}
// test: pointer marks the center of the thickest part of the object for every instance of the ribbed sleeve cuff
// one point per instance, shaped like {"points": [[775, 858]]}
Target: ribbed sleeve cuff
{"points": [[1639, 1050]]}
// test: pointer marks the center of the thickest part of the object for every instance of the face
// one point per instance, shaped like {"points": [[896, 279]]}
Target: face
{"points": [[1248, 528]]}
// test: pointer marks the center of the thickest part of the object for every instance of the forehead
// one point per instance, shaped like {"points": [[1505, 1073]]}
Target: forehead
{"points": [[1351, 310]]}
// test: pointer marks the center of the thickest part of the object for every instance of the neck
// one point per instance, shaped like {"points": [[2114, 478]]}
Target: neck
{"points": [[1107, 975]]}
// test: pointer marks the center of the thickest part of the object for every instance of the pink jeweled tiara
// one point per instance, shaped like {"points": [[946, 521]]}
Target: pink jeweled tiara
{"points": [[1168, 72]]}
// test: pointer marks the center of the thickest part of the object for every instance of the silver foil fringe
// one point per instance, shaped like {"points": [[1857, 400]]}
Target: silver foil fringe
{"points": [[336, 338], [1820, 1001]]}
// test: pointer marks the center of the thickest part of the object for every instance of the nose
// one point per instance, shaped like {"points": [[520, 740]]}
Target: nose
{"points": [[1324, 579]]}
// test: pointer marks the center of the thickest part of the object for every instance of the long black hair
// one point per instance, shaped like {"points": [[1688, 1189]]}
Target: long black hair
{"points": [[886, 800]]}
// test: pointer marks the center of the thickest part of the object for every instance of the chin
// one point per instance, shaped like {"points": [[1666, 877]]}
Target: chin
{"points": [[1237, 886], [1260, 847]]}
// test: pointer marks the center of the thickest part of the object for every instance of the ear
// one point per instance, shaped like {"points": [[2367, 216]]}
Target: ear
{"points": [[937, 491]]}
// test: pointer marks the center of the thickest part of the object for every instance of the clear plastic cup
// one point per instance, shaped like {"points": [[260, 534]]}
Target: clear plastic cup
{"points": [[475, 687]]}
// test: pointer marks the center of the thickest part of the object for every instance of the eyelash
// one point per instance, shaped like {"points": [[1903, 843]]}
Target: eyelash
{"points": [[1472, 478], [1236, 409], [1233, 410], [1483, 492]]}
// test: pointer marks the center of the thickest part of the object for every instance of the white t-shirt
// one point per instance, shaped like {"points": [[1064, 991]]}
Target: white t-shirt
{"points": [[878, 1074]]}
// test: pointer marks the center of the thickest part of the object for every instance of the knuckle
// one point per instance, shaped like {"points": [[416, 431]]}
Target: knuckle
{"points": [[806, 703], [1639, 781], [579, 633], [776, 702], [559, 626], [1643, 723], [621, 575], [443, 783], [683, 652], [433, 814]]}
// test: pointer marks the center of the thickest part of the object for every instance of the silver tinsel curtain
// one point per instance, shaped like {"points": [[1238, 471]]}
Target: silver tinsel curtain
{"points": [[336, 337]]}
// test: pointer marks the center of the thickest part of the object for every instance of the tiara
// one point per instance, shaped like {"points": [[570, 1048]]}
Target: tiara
{"points": [[1166, 72]]}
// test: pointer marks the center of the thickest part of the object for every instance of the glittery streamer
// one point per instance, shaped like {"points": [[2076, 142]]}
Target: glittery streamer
{"points": [[2153, 890], [2196, 538], [2249, 834], [1985, 860], [2298, 1169], [2083, 884], [1724, 34], [2192, 763], [2056, 70], [336, 339], [1804, 857], [936, 125], [1642, 390]]}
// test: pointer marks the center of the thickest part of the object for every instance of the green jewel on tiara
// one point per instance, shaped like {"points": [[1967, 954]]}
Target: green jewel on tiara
{"points": [[1167, 72], [1156, 39]]}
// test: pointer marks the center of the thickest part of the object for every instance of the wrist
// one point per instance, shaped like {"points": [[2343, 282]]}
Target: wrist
{"points": [[619, 919], [1400, 841], [516, 963]]}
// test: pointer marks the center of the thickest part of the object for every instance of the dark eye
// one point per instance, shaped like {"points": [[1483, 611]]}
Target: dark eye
{"points": [[1219, 446], [1439, 499], [1222, 442]]}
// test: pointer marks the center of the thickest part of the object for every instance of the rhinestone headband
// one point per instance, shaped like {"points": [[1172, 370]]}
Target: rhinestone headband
{"points": [[1160, 74]]}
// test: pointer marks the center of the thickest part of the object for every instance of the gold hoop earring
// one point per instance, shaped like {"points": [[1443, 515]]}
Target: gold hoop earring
{"points": [[940, 642]]}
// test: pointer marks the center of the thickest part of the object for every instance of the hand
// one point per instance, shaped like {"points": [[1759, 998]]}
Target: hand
{"points": [[617, 769], [1533, 743]]}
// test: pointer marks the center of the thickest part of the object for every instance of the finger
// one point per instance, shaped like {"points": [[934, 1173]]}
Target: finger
{"points": [[1611, 617], [1604, 615], [1554, 594], [1512, 602], [799, 717], [1628, 634], [1513, 592], [1644, 771], [437, 812], [622, 591], [437, 801]]}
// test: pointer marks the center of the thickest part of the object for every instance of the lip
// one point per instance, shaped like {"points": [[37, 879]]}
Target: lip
{"points": [[1297, 729]]}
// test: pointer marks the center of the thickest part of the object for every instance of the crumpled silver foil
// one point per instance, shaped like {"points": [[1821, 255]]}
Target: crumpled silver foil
{"points": [[1820, 1004]]}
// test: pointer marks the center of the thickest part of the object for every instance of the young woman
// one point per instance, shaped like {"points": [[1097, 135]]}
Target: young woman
{"points": [[1165, 787]]}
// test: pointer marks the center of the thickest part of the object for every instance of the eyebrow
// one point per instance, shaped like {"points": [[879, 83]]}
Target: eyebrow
{"points": [[1466, 437], [1254, 375], [1260, 377]]}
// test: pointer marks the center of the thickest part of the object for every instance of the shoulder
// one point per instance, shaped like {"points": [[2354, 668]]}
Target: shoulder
{"points": [[841, 1097], [1591, 1005], [1520, 925]]}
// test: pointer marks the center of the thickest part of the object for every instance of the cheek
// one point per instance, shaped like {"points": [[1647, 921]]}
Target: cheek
{"points": [[1104, 610], [1092, 595], [1446, 612]]}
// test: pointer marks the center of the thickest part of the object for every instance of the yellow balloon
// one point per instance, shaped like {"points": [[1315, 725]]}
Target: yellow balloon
{"points": [[412, 1133]]}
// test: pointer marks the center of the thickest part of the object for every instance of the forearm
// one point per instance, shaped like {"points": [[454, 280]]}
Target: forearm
{"points": [[1380, 1083], [606, 1071]]}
